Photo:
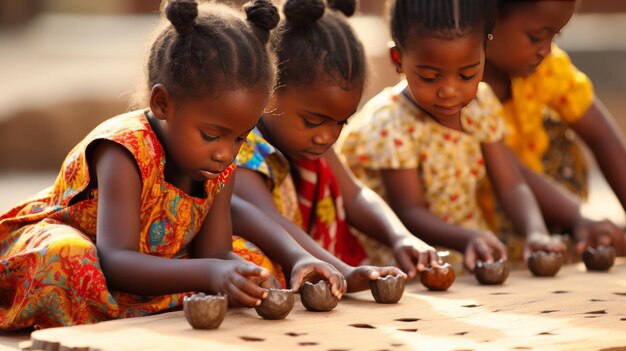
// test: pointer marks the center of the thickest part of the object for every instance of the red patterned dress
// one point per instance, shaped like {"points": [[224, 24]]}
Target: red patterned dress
{"points": [[50, 274]]}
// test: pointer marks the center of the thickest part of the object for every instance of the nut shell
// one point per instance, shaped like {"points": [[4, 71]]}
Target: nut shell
{"points": [[545, 264], [388, 289], [438, 278], [494, 273], [205, 311], [317, 297], [599, 259], [276, 305]]}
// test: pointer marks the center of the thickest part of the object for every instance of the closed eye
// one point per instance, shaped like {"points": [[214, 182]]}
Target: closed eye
{"points": [[428, 79], [207, 137], [465, 77], [311, 124]]}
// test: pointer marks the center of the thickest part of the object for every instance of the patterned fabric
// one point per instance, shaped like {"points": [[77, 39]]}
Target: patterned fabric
{"points": [[391, 132], [322, 210], [49, 271], [259, 156], [251, 253], [556, 85], [326, 224]]}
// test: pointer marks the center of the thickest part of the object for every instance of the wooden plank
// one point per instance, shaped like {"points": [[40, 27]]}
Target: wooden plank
{"points": [[573, 311]]}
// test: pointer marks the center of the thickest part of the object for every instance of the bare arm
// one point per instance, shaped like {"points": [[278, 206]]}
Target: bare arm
{"points": [[118, 228], [600, 132], [516, 198], [369, 213]]}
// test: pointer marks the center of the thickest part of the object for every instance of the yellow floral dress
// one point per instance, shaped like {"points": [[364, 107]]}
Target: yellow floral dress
{"points": [[50, 273], [537, 116], [391, 132]]}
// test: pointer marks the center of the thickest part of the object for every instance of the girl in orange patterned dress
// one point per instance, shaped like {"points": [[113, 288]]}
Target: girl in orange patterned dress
{"points": [[139, 214], [547, 102], [289, 169]]}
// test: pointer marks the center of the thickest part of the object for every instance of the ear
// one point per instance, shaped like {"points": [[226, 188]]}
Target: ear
{"points": [[160, 101], [396, 58]]}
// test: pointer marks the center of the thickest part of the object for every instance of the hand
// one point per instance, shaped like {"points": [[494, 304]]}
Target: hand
{"points": [[239, 280], [542, 242], [358, 278], [314, 270], [414, 255], [588, 232], [482, 247]]}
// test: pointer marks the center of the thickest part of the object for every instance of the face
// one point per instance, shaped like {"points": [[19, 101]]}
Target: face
{"points": [[203, 135], [523, 38], [442, 74], [303, 122]]}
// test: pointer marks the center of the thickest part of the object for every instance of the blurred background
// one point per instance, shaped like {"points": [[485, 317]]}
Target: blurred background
{"points": [[67, 65]]}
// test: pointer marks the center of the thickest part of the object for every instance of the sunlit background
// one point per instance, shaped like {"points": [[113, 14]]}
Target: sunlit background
{"points": [[66, 65]]}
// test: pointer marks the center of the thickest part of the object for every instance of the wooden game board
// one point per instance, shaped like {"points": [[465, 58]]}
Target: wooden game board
{"points": [[576, 310]]}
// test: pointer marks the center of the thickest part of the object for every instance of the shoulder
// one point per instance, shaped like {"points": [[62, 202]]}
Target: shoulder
{"points": [[258, 155], [482, 117]]}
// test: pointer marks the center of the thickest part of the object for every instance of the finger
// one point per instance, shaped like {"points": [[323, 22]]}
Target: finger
{"points": [[337, 287], [483, 251], [385, 271], [240, 298], [433, 258], [248, 269], [582, 236], [469, 261], [249, 287], [406, 263]]}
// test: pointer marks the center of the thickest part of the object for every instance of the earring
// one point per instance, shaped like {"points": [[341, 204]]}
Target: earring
{"points": [[490, 36]]}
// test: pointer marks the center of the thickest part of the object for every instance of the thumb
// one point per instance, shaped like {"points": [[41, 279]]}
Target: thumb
{"points": [[581, 235], [406, 263]]}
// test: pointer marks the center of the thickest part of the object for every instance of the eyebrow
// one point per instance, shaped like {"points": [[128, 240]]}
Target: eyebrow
{"points": [[328, 117], [438, 69]]}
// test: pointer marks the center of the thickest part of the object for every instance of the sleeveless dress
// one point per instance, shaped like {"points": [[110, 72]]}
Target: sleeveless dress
{"points": [[50, 273]]}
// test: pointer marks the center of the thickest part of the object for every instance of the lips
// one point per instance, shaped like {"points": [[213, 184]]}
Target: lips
{"points": [[209, 174], [449, 110]]}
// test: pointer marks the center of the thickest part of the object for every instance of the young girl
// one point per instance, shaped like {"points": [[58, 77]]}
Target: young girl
{"points": [[426, 143], [288, 168], [148, 188], [543, 93]]}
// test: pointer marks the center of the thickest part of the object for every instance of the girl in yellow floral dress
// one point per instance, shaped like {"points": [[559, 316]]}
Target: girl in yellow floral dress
{"points": [[288, 168], [547, 101], [139, 214], [426, 143]]}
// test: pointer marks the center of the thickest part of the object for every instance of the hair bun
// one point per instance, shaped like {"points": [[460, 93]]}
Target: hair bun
{"points": [[182, 14], [347, 7], [303, 12], [263, 16]]}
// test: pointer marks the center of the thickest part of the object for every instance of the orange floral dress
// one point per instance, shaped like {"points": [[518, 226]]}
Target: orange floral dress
{"points": [[50, 273]]}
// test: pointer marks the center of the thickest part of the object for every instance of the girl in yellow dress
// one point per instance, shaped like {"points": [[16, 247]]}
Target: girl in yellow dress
{"points": [[139, 214], [426, 144], [547, 101]]}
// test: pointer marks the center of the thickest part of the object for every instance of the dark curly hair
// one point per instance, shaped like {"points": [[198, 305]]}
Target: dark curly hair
{"points": [[313, 42], [211, 47], [440, 18]]}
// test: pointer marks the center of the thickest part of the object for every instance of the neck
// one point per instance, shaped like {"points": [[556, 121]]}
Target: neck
{"points": [[499, 81]]}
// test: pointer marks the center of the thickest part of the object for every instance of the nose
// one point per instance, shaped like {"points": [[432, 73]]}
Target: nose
{"points": [[225, 154], [447, 90], [545, 49], [328, 135]]}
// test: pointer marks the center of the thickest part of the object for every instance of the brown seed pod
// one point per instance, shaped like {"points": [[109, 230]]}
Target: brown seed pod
{"points": [[545, 264], [599, 259], [494, 273], [205, 311], [317, 297], [438, 278], [388, 289], [276, 305]]}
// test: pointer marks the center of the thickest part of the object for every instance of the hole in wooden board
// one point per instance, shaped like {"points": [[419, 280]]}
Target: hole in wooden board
{"points": [[410, 330], [363, 325], [560, 292], [549, 311], [461, 333], [500, 293], [597, 300], [620, 293], [471, 306], [622, 319], [546, 333], [596, 312], [407, 319], [307, 343], [294, 334], [592, 316], [397, 345], [250, 338]]}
